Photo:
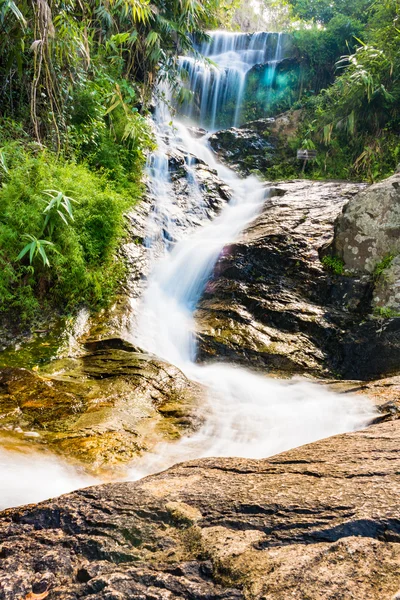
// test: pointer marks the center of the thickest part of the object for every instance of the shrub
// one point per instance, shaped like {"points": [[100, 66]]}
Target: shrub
{"points": [[83, 267]]}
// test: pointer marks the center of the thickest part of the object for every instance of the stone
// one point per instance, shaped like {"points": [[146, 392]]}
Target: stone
{"points": [[386, 293], [272, 304], [368, 230], [320, 521], [255, 146], [102, 409]]}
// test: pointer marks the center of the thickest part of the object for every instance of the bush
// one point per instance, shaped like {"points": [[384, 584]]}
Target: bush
{"points": [[83, 267]]}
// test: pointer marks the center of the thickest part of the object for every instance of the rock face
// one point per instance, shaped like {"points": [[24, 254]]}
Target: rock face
{"points": [[387, 287], [369, 227], [101, 409], [367, 239], [271, 303], [321, 521]]}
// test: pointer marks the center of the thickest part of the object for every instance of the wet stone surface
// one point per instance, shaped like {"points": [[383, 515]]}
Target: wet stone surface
{"points": [[272, 304], [101, 409]]}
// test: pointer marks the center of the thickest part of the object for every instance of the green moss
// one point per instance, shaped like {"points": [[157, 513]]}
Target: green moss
{"points": [[334, 264], [386, 313]]}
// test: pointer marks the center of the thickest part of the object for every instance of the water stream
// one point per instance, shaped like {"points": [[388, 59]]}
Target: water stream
{"points": [[247, 414]]}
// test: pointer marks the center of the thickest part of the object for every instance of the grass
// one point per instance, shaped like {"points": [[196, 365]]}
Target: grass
{"points": [[382, 265]]}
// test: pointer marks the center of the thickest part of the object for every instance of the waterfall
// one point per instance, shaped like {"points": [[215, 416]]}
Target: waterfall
{"points": [[218, 85], [247, 414]]}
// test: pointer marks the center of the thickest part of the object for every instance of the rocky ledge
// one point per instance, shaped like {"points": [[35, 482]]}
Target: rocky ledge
{"points": [[321, 521], [272, 303], [101, 409], [257, 145]]}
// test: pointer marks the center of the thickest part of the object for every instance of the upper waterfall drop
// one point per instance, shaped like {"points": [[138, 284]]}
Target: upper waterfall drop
{"points": [[218, 84]]}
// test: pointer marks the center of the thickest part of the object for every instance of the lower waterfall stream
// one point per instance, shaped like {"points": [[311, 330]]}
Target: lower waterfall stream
{"points": [[248, 415]]}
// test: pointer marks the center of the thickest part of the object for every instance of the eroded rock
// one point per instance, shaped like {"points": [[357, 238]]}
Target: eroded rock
{"points": [[321, 521], [255, 145], [272, 304], [100, 409]]}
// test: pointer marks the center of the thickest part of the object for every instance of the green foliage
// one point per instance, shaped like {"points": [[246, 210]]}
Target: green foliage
{"points": [[58, 205], [386, 313], [323, 11], [354, 122], [36, 248], [334, 264], [83, 267], [382, 265]]}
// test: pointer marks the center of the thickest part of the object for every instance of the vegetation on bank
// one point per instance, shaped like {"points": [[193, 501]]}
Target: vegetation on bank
{"points": [[76, 80], [345, 77]]}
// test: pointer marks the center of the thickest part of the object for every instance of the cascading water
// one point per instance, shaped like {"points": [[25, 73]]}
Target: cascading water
{"points": [[247, 415], [218, 86]]}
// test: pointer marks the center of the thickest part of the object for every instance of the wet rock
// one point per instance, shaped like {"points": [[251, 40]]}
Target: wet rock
{"points": [[272, 304], [100, 409], [321, 521], [254, 146], [196, 195], [244, 149]]}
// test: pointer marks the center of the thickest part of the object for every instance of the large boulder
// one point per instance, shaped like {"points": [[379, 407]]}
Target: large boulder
{"points": [[101, 409], [368, 230], [321, 521], [367, 239], [272, 304]]}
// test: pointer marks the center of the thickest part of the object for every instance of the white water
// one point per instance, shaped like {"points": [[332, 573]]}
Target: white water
{"points": [[219, 86], [248, 414], [32, 476]]}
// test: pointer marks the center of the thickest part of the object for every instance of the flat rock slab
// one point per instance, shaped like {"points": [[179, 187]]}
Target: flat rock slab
{"points": [[101, 409], [321, 521]]}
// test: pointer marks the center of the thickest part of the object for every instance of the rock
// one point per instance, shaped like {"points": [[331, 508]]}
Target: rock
{"points": [[386, 294], [321, 521], [368, 230], [101, 409], [244, 149], [255, 145], [272, 304], [367, 239]]}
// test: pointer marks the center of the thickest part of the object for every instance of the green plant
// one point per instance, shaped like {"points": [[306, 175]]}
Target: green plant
{"points": [[334, 264], [386, 313], [382, 265], [36, 248], [59, 204]]}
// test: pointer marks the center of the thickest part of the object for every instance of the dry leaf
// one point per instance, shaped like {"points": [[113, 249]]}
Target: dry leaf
{"points": [[32, 596]]}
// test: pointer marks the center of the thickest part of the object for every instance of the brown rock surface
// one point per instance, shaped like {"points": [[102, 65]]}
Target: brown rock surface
{"points": [[321, 521], [272, 304], [101, 409]]}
